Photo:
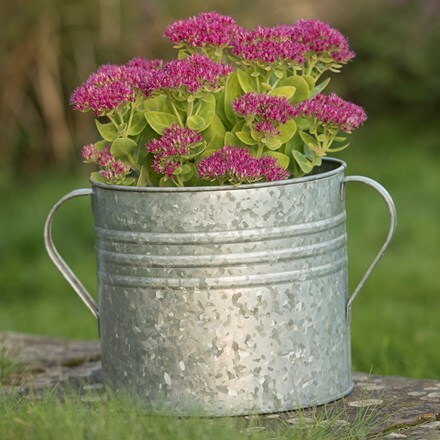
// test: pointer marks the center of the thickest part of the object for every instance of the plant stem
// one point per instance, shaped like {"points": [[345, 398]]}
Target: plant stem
{"points": [[275, 83], [176, 112], [133, 163], [269, 74], [189, 108], [310, 66], [121, 117], [130, 119], [113, 121]]}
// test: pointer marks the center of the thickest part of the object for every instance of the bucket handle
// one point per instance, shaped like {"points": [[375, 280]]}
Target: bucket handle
{"points": [[59, 262], [393, 224]]}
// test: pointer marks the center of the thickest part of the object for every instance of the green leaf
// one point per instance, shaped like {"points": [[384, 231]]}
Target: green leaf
{"points": [[326, 59], [156, 104], [238, 126], [191, 178], [198, 150], [295, 143], [279, 74], [274, 143], [302, 91], [97, 177], [165, 181], [309, 154], [138, 123], [282, 159], [232, 92], [302, 123], [144, 178], [309, 140], [195, 122], [245, 137], [128, 181], [122, 128], [285, 91], [220, 106], [187, 172], [247, 82], [108, 131], [305, 165], [287, 131], [146, 136], [100, 145], [122, 147], [215, 133], [185, 169], [310, 81], [336, 149], [320, 87], [206, 110], [160, 120], [231, 139]]}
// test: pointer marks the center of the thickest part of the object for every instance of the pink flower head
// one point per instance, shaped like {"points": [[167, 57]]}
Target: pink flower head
{"points": [[89, 153], [272, 171], [169, 149], [103, 91], [189, 74], [268, 45], [112, 170], [332, 110], [319, 37], [236, 165], [266, 127], [145, 64], [205, 29], [104, 158], [270, 109], [138, 72], [115, 172], [112, 86]]}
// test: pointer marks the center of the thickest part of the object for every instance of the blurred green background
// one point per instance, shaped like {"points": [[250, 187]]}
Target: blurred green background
{"points": [[48, 47]]}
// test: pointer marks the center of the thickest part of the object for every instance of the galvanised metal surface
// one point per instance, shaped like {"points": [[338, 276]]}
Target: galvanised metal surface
{"points": [[226, 300]]}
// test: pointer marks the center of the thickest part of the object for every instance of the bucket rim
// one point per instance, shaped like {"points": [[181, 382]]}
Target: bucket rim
{"points": [[340, 166]]}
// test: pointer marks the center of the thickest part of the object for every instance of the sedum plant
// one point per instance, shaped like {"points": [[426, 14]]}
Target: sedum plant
{"points": [[236, 106]]}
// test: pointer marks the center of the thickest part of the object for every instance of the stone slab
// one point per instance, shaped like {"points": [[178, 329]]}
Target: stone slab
{"points": [[401, 407]]}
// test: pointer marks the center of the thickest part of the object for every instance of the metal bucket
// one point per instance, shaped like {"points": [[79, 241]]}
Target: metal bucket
{"points": [[227, 300]]}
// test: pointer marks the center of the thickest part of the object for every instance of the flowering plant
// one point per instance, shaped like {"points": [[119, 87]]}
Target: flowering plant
{"points": [[237, 106]]}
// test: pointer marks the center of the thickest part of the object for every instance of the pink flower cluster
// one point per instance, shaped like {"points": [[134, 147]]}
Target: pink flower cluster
{"points": [[236, 165], [189, 74], [268, 111], [268, 46], [319, 37], [332, 110], [143, 63], [291, 43], [205, 29], [169, 149], [112, 170], [112, 86]]}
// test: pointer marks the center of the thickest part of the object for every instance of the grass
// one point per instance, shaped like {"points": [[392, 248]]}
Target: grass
{"points": [[117, 417], [395, 317], [10, 366]]}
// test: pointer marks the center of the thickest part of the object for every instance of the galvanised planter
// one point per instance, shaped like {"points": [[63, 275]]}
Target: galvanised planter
{"points": [[225, 300]]}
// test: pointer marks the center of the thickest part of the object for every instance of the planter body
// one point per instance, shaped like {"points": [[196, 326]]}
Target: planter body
{"points": [[224, 300], [231, 301]]}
